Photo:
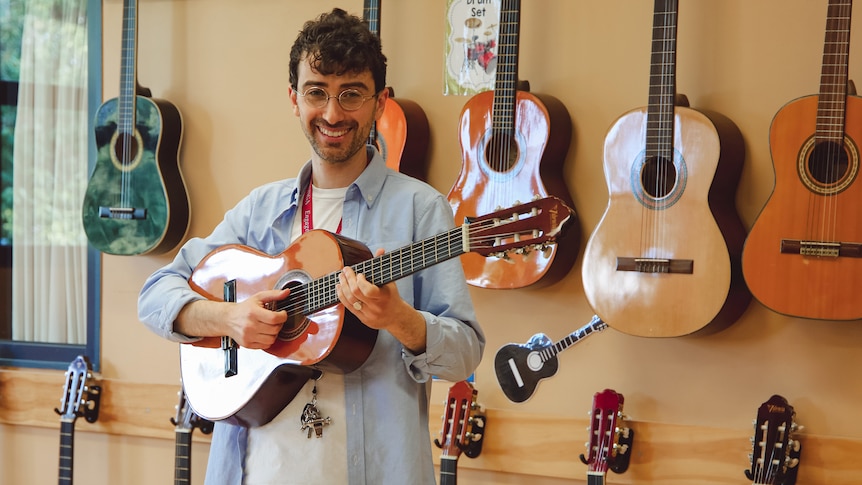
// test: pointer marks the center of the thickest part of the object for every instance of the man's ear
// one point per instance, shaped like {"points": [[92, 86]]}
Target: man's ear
{"points": [[293, 100]]}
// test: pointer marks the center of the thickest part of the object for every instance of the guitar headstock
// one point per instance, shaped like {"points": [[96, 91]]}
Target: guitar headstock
{"points": [[463, 424], [521, 229], [775, 456], [610, 443], [80, 398], [187, 420]]}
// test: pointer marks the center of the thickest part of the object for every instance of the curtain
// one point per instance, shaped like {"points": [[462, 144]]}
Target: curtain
{"points": [[49, 254]]}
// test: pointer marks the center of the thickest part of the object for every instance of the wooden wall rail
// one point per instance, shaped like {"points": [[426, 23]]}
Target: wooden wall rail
{"points": [[514, 442]]}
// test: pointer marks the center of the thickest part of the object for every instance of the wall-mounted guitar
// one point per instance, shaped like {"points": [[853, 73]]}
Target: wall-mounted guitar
{"points": [[136, 200], [320, 334], [609, 447], [401, 134], [185, 423], [513, 144], [520, 367], [775, 457], [80, 398], [803, 256], [664, 260], [463, 430]]}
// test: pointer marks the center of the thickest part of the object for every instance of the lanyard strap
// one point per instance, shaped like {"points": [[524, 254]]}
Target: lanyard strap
{"points": [[307, 216]]}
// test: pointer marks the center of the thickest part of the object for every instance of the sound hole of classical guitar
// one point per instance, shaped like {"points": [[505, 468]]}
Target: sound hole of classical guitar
{"points": [[658, 176], [828, 163], [126, 148], [296, 320], [502, 152]]}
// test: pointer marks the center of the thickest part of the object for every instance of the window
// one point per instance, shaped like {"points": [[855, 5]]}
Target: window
{"points": [[50, 89]]}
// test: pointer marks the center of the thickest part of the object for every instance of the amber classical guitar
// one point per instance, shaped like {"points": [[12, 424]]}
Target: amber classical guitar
{"points": [[609, 446], [803, 256], [185, 423], [520, 367], [664, 260], [136, 200], [513, 144], [249, 385], [401, 134], [776, 451], [80, 398], [462, 431]]}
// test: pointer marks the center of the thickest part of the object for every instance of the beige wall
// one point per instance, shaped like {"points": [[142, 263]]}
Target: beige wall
{"points": [[224, 64]]}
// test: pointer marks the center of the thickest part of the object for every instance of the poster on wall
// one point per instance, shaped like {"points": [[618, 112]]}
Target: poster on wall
{"points": [[471, 46]]}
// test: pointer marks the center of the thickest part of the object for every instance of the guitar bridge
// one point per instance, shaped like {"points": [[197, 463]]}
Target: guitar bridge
{"points": [[656, 265], [122, 213], [824, 249]]}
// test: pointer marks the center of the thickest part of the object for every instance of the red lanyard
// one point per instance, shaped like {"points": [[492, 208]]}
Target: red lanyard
{"points": [[307, 222]]}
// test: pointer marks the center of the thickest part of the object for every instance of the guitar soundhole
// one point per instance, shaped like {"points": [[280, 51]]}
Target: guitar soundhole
{"points": [[296, 320], [501, 151], [126, 148], [828, 163], [658, 177]]}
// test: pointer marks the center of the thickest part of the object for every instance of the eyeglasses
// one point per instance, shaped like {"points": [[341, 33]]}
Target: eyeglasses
{"points": [[349, 99]]}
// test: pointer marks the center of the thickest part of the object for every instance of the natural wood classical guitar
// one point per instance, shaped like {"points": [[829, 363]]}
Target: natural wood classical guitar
{"points": [[136, 200], [80, 398], [402, 132], [803, 256], [776, 451], [185, 423], [513, 144], [664, 260], [251, 386], [609, 446], [520, 367], [462, 431]]}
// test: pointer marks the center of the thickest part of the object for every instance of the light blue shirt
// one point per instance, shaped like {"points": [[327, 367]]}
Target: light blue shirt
{"points": [[390, 444]]}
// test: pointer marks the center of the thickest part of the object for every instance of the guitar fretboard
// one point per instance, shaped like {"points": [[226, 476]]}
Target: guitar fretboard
{"points": [[506, 81], [662, 88], [67, 445], [182, 457], [833, 77], [126, 99]]}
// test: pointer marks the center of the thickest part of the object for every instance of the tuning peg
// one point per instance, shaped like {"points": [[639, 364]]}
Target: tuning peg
{"points": [[793, 462]]}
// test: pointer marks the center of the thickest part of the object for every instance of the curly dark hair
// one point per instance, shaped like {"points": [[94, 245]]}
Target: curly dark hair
{"points": [[338, 43]]}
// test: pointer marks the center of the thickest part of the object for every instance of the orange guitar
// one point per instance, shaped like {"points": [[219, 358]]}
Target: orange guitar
{"points": [[251, 386], [401, 134], [664, 260], [513, 144], [803, 256]]}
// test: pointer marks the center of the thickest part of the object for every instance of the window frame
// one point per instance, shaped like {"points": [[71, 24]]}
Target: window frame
{"points": [[46, 355]]}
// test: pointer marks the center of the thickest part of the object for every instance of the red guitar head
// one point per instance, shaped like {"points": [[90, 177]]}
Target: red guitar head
{"points": [[457, 419], [522, 228], [609, 443]]}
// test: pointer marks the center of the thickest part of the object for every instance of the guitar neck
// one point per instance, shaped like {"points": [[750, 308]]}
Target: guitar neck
{"points": [[128, 78], [448, 470], [506, 80], [183, 458], [833, 76], [67, 442], [316, 295], [595, 478], [662, 89]]}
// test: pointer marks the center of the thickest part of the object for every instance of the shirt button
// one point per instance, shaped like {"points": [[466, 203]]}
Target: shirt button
{"points": [[370, 198]]}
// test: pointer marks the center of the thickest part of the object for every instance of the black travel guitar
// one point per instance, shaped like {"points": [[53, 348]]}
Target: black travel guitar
{"points": [[185, 423]]}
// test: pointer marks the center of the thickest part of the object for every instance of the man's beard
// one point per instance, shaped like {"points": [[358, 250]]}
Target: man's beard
{"points": [[336, 155]]}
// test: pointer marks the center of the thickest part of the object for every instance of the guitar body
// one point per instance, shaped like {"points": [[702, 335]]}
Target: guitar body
{"points": [[519, 368], [150, 180], [402, 137], [696, 221], [800, 209], [332, 339], [542, 131]]}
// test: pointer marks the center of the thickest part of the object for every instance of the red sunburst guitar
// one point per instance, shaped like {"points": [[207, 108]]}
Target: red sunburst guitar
{"points": [[610, 443], [664, 260], [803, 256], [776, 451], [462, 431], [251, 386], [402, 132], [513, 144]]}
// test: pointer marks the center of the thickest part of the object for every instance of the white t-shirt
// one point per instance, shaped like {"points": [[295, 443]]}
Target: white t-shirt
{"points": [[279, 452]]}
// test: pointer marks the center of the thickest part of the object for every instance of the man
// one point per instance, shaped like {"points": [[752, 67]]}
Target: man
{"points": [[378, 426]]}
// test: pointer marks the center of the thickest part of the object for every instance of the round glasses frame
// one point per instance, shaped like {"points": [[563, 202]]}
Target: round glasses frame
{"points": [[349, 99]]}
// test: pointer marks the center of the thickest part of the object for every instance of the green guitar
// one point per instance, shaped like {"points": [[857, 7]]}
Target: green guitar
{"points": [[136, 200]]}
